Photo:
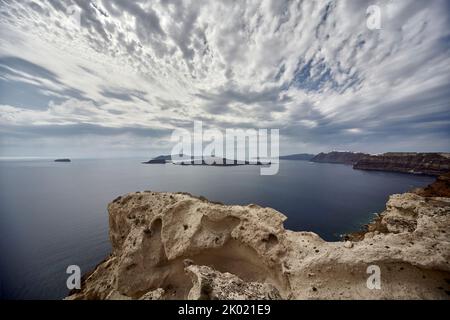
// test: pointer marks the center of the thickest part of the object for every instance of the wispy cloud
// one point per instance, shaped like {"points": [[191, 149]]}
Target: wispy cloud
{"points": [[310, 68]]}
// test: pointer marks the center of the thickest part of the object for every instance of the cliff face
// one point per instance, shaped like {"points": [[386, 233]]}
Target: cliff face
{"points": [[418, 163], [339, 157], [400, 216], [176, 246], [439, 188]]}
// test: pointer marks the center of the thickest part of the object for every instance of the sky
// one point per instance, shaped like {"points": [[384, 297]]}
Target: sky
{"points": [[115, 78]]}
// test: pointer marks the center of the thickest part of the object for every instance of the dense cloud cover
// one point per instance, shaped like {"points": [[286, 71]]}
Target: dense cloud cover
{"points": [[130, 72]]}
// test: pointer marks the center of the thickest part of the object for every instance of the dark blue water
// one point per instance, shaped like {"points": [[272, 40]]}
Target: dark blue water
{"points": [[54, 214]]}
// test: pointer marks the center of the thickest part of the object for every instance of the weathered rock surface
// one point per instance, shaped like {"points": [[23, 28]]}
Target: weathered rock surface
{"points": [[176, 246], [209, 284], [418, 163]]}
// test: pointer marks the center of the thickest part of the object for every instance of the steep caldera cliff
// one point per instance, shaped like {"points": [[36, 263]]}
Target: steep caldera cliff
{"points": [[417, 163]]}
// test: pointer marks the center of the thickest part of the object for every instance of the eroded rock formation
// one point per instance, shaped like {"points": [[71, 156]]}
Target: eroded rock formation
{"points": [[176, 246]]}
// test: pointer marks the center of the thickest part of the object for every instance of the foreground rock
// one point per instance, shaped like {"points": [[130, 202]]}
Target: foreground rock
{"points": [[209, 284], [433, 164], [176, 246]]}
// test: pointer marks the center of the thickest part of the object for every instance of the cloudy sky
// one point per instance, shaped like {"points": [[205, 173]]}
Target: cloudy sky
{"points": [[119, 82]]}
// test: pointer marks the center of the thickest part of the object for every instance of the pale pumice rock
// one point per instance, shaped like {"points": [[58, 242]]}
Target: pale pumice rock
{"points": [[167, 246], [348, 244], [209, 284]]}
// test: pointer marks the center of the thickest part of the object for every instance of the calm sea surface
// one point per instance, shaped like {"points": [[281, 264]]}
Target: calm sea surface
{"points": [[54, 214]]}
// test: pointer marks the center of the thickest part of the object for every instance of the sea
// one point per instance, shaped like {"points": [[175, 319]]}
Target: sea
{"points": [[53, 215]]}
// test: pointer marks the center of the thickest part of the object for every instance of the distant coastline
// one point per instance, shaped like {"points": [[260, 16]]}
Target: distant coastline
{"points": [[299, 157], [433, 164], [204, 161]]}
